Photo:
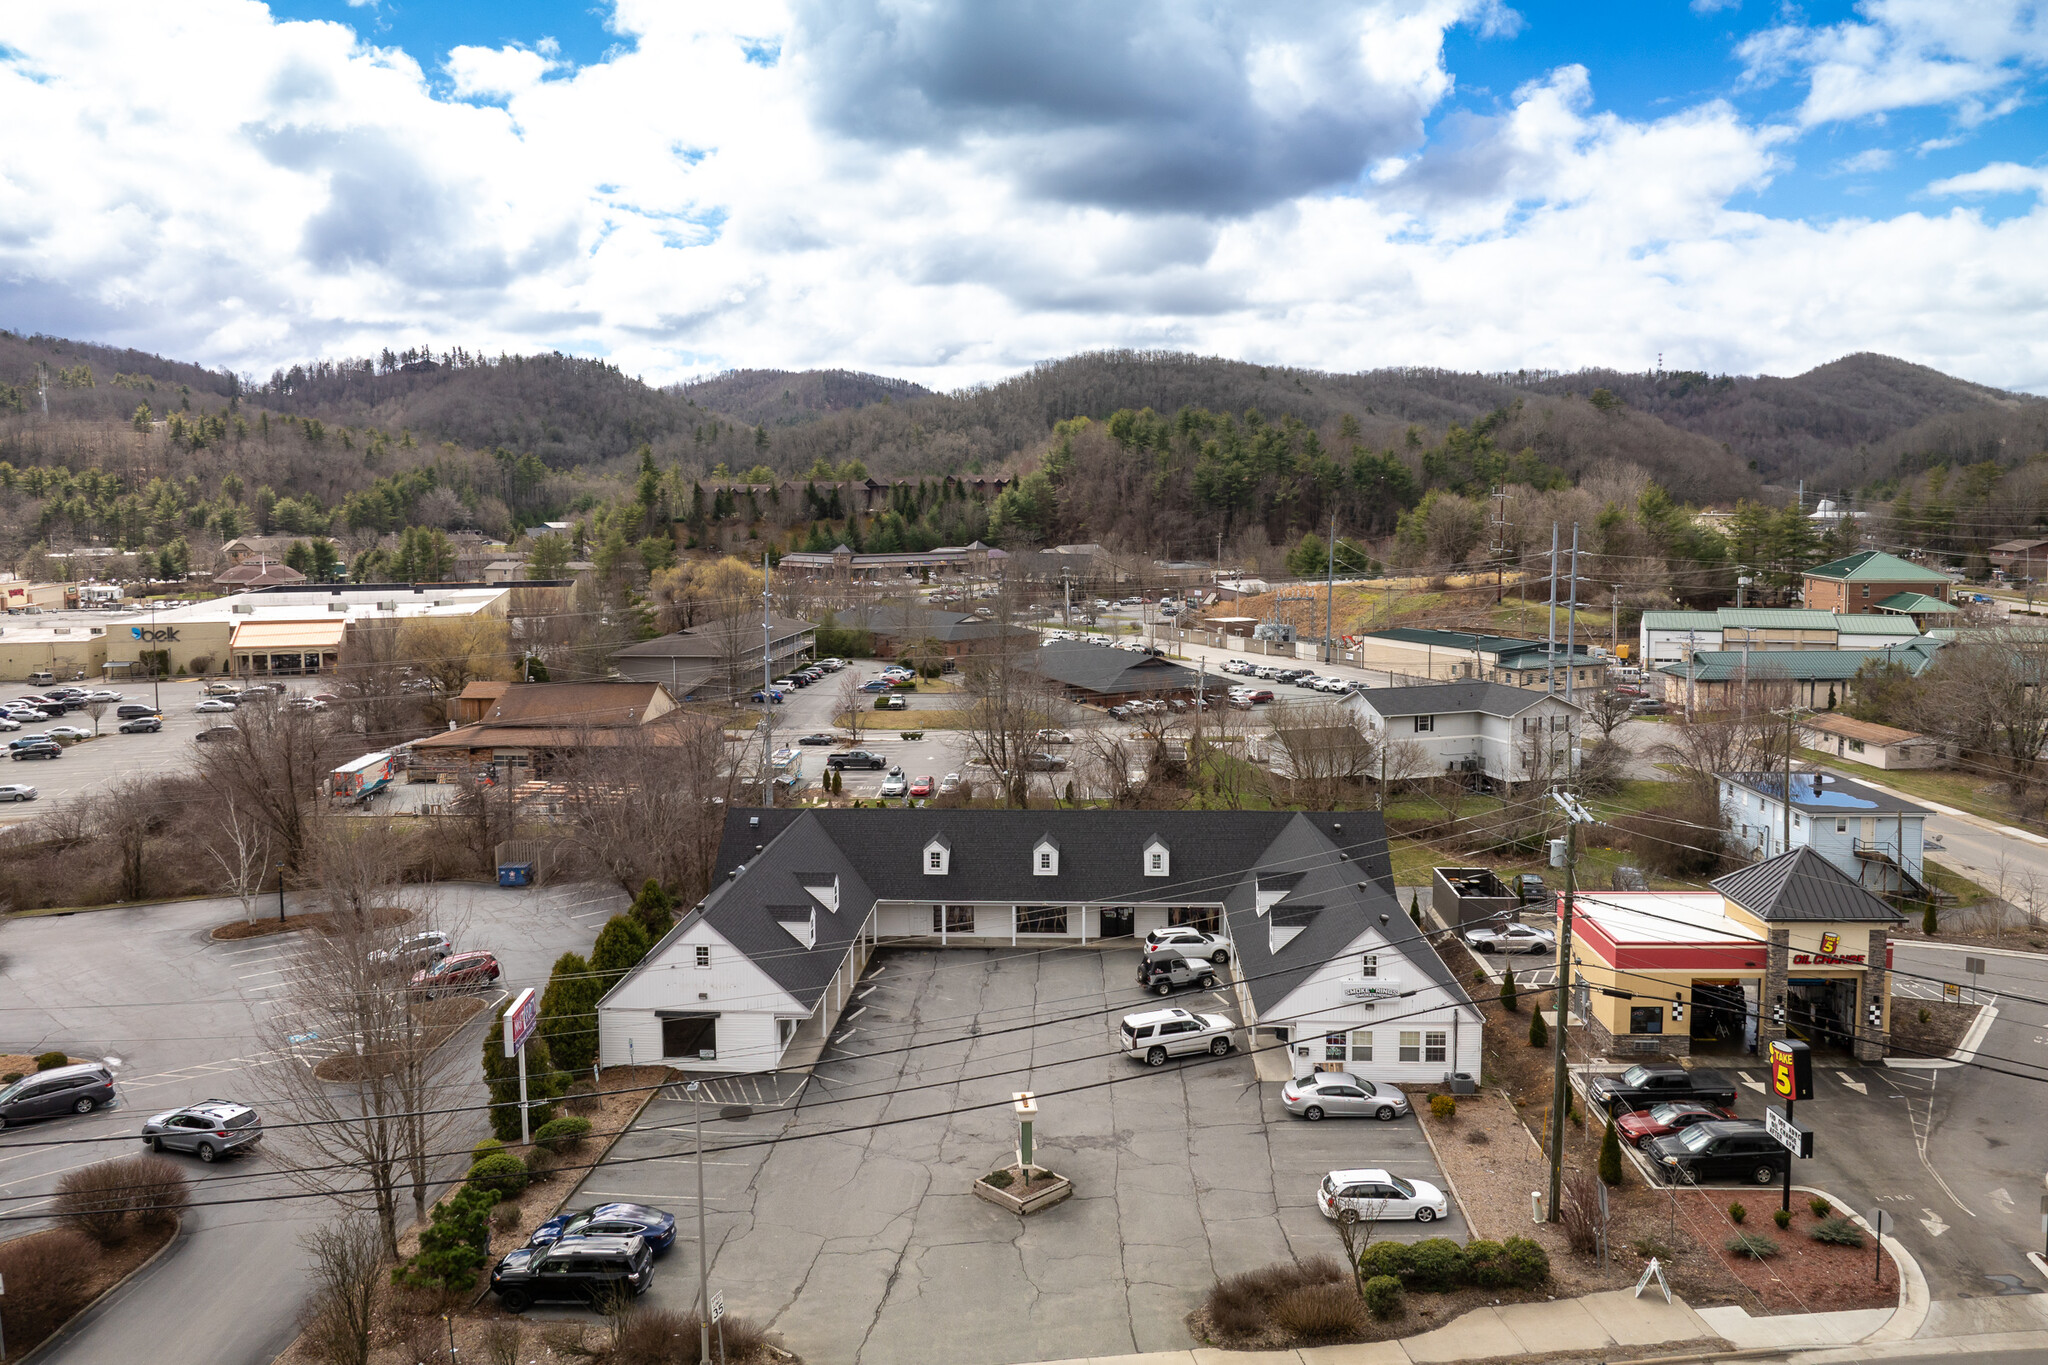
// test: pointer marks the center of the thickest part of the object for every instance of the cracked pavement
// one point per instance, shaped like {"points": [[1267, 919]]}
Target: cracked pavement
{"points": [[865, 1244]]}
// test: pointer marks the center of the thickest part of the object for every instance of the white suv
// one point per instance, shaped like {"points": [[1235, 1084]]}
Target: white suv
{"points": [[1189, 942], [1154, 1036]]}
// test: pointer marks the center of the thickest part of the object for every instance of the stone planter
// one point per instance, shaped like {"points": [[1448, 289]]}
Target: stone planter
{"points": [[1021, 1196]]}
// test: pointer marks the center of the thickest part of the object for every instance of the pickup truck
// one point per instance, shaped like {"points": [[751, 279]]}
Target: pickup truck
{"points": [[856, 758], [1639, 1087]]}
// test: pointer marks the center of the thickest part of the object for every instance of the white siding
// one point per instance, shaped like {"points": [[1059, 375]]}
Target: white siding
{"points": [[740, 993], [1317, 1006]]}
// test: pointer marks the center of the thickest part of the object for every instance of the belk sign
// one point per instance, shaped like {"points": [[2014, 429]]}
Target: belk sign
{"points": [[156, 635]]}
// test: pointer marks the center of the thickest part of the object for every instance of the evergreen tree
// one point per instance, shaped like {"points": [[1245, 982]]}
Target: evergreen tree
{"points": [[1509, 998], [1610, 1155], [568, 1013], [620, 946], [654, 908], [1539, 1032], [501, 1075]]}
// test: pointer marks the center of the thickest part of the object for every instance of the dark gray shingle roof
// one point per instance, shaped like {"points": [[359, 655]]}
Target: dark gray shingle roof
{"points": [[1110, 671], [1438, 699], [1802, 886]]}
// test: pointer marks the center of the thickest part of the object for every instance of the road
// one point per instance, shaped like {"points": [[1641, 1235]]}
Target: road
{"points": [[183, 1018]]}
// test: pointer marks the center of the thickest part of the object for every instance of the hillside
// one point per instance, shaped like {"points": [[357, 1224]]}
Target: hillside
{"points": [[1810, 426], [785, 398]]}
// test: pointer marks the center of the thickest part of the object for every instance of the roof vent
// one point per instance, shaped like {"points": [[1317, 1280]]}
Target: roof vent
{"points": [[753, 822], [387, 606]]}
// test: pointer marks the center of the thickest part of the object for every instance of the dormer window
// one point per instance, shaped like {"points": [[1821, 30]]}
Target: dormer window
{"points": [[1045, 858], [1158, 858], [938, 857]]}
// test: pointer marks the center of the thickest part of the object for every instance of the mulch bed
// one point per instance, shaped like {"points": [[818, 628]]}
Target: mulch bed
{"points": [[1947, 1022], [443, 1019], [384, 917], [25, 1062], [1805, 1276], [107, 1269]]}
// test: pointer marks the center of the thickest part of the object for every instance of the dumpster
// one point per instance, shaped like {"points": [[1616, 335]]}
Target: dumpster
{"points": [[515, 874]]}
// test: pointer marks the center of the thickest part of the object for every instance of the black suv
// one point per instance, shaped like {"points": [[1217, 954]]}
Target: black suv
{"points": [[1167, 970], [35, 748], [1707, 1153], [589, 1270], [134, 711]]}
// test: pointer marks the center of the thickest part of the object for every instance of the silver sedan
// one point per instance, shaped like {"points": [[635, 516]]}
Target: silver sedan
{"points": [[1511, 938], [1339, 1094]]}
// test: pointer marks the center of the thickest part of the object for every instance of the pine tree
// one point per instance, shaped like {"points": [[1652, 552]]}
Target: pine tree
{"points": [[501, 1074], [1509, 999], [620, 946], [654, 908], [568, 1013], [1610, 1155], [1539, 1032], [1415, 907]]}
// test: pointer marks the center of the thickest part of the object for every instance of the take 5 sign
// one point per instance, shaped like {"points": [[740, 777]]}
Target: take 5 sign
{"points": [[1791, 1069]]}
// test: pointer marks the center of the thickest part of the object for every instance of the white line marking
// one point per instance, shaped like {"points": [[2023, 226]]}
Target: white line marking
{"points": [[855, 1015]]}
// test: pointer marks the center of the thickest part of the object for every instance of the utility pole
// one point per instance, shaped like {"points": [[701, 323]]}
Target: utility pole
{"points": [[1690, 640], [1500, 542], [1789, 710], [1614, 607], [767, 693], [703, 1246], [1560, 1084], [1571, 621], [1330, 593], [1550, 640]]}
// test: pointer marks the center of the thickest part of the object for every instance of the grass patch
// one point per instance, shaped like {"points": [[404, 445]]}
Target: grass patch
{"points": [[1964, 791], [1955, 884]]}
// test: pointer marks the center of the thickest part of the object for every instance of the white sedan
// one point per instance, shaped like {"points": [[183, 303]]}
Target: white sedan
{"points": [[17, 791], [9, 723], [213, 704], [68, 732], [1376, 1195]]}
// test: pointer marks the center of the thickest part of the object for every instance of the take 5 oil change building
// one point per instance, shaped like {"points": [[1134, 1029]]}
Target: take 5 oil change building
{"points": [[1788, 947]]}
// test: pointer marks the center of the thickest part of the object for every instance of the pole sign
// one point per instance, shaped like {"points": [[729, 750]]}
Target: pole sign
{"points": [[1794, 1136], [522, 1016], [1791, 1069]]}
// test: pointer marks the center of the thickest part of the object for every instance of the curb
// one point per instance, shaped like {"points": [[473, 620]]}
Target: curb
{"points": [[40, 1347], [1966, 1050], [1445, 1172]]}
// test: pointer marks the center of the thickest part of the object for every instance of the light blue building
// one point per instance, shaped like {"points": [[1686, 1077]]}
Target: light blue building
{"points": [[1874, 838]]}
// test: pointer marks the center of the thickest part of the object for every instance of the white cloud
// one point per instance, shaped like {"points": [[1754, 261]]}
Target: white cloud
{"points": [[1864, 162], [1714, 6], [208, 183], [2000, 177]]}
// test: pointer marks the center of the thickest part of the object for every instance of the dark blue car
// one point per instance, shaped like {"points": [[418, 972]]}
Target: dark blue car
{"points": [[611, 1220]]}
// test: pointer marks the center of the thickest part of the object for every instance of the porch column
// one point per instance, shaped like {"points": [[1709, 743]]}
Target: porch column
{"points": [[942, 926], [1771, 1006], [1013, 926], [1874, 1038], [1084, 925]]}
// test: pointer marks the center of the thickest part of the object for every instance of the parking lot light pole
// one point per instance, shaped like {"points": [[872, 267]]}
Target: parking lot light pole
{"points": [[703, 1246], [1560, 1083], [280, 894]]}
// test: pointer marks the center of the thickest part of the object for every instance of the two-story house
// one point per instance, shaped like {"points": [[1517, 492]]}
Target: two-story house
{"points": [[1874, 839], [1488, 730], [1871, 581]]}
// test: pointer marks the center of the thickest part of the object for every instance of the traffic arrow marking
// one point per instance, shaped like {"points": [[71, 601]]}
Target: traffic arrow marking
{"points": [[1757, 1086], [1857, 1086], [2002, 1197], [1932, 1222]]}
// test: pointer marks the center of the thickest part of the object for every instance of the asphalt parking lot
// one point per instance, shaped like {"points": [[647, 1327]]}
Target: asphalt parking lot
{"points": [[841, 1211], [183, 1018], [91, 766]]}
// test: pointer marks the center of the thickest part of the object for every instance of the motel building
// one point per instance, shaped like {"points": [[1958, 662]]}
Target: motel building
{"points": [[1786, 948], [1326, 971]]}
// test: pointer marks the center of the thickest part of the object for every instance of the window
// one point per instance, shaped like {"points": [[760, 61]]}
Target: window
{"points": [[1361, 1045], [938, 859], [690, 1035], [1798, 821], [1424, 724], [1333, 1047], [952, 919], [934, 860], [1646, 1019], [1158, 859], [1044, 861], [1433, 1049], [1411, 1046], [1841, 826], [1041, 919], [1855, 746], [703, 955], [1369, 965]]}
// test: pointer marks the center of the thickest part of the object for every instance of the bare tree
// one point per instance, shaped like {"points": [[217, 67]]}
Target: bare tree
{"points": [[96, 709], [272, 766], [347, 1270], [1322, 752], [1608, 709], [365, 1132], [651, 801], [240, 851], [1005, 702], [850, 698]]}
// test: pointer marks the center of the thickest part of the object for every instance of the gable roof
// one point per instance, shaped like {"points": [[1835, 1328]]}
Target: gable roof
{"points": [[1863, 731], [1916, 603], [1438, 699], [899, 622], [1825, 793], [1802, 886], [1802, 665], [711, 641], [1467, 641], [1341, 878], [587, 703], [1107, 670], [1875, 566]]}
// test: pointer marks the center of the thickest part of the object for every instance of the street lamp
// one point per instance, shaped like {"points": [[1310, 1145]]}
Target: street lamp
{"points": [[280, 895]]}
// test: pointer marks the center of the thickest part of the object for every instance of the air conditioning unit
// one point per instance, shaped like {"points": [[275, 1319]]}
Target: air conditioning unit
{"points": [[387, 606], [242, 610]]}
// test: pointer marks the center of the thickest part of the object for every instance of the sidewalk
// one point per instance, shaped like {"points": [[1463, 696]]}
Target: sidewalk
{"points": [[1595, 1323]]}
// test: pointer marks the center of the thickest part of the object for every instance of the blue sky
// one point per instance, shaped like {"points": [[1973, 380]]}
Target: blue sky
{"points": [[952, 190]]}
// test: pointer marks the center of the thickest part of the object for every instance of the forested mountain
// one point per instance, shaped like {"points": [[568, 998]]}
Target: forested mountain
{"points": [[784, 398]]}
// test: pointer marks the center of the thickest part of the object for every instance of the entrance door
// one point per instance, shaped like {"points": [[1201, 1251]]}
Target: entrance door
{"points": [[1117, 921]]}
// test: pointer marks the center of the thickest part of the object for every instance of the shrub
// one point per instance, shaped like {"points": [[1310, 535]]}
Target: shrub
{"points": [[488, 1147], [1486, 1264], [50, 1061], [1510, 999], [1436, 1263], [1579, 1212], [1530, 1261], [1001, 1180], [455, 1245], [1539, 1032], [1236, 1306], [1736, 1213], [1443, 1107], [500, 1175], [1930, 923], [561, 1135], [1755, 1246], [1837, 1231], [1383, 1297], [1384, 1258], [10, 1078], [94, 1201], [1821, 1207], [505, 1217], [1649, 1248], [1319, 1312], [1610, 1155], [1680, 838], [501, 1339], [1926, 1015], [1782, 1217], [662, 1336], [1477, 1137], [157, 1189], [581, 1098], [46, 1282]]}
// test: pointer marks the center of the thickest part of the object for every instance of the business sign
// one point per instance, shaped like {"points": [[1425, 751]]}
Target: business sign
{"points": [[522, 1016], [1791, 1069], [1824, 957], [156, 635], [1830, 941], [1365, 988], [1794, 1136]]}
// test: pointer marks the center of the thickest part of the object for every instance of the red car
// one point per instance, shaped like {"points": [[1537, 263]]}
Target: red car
{"points": [[1643, 1124], [462, 972], [923, 786]]}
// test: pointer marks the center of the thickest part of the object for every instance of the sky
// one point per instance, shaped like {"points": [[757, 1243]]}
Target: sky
{"points": [[953, 191]]}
